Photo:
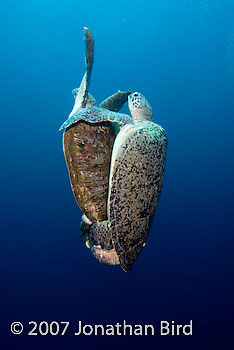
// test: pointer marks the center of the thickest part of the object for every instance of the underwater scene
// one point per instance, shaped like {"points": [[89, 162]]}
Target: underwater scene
{"points": [[117, 174]]}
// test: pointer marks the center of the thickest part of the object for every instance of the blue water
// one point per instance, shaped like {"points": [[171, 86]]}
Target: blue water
{"points": [[180, 55]]}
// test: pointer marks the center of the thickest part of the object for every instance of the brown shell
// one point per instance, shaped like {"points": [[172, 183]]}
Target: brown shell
{"points": [[87, 149]]}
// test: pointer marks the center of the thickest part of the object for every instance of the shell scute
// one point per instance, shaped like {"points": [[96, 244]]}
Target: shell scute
{"points": [[87, 151]]}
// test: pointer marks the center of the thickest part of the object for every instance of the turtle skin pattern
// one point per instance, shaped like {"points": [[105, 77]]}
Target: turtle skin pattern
{"points": [[100, 241], [96, 115]]}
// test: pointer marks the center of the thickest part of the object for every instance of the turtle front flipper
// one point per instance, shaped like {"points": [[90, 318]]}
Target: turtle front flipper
{"points": [[81, 94], [89, 62], [115, 102], [88, 139], [89, 50]]}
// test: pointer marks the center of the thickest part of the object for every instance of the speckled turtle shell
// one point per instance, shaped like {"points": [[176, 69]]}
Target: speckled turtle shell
{"points": [[136, 175]]}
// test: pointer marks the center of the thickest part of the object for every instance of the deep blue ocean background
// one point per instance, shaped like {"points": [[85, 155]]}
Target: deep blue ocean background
{"points": [[180, 55]]}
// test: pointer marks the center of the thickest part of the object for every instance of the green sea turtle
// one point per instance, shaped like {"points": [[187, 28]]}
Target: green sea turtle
{"points": [[88, 139], [135, 182]]}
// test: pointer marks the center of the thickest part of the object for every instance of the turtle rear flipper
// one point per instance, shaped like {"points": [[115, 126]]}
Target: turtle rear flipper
{"points": [[115, 102], [100, 241]]}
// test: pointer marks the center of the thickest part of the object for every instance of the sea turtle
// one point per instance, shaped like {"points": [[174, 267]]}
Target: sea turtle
{"points": [[88, 140], [135, 181]]}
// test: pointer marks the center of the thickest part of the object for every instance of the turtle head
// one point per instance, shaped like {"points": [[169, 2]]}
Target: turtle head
{"points": [[139, 107]]}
